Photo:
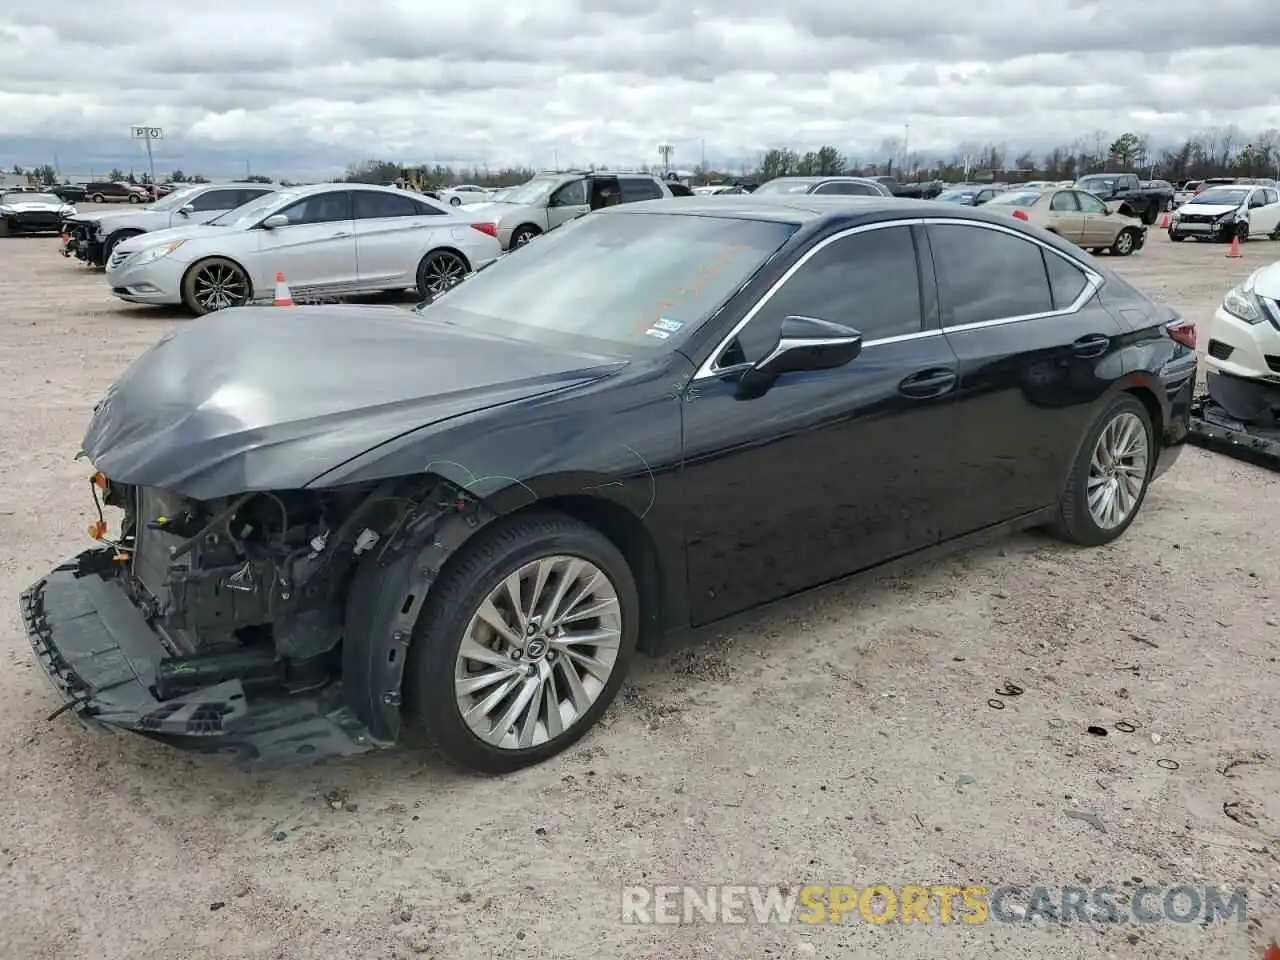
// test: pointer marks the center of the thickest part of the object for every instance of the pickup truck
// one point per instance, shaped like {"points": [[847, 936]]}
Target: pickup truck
{"points": [[1123, 193], [915, 191]]}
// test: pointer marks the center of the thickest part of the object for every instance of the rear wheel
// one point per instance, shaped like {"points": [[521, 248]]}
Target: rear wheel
{"points": [[215, 284], [439, 271], [523, 643], [98, 198], [1126, 241], [5, 228], [134, 198], [455, 201], [1109, 479]]}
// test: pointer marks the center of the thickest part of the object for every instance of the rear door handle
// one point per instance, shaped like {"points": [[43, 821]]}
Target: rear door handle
{"points": [[1091, 347], [928, 383]]}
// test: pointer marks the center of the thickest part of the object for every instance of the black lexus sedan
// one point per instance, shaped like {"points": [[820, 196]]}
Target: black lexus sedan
{"points": [[337, 522]]}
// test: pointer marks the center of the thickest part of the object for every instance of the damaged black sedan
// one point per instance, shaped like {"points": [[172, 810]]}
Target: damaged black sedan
{"points": [[321, 527]]}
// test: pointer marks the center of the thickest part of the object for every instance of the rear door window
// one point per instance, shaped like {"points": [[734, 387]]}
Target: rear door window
{"points": [[635, 189], [985, 274], [374, 205]]}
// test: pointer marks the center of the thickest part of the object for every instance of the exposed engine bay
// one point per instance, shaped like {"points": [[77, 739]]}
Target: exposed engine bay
{"points": [[227, 618]]}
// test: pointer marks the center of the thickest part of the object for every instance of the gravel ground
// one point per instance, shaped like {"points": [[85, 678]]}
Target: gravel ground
{"points": [[841, 738]]}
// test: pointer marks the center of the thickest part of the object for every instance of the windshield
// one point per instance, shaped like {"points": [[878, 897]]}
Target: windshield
{"points": [[785, 185], [532, 192], [633, 283], [1221, 196], [1097, 183], [29, 198], [248, 214], [957, 196], [173, 201], [1014, 199]]}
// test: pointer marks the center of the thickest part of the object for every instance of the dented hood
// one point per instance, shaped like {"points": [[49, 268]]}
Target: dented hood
{"points": [[263, 398]]}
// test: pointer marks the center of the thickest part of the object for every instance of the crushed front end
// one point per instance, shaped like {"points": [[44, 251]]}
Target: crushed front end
{"points": [[81, 239], [212, 625]]}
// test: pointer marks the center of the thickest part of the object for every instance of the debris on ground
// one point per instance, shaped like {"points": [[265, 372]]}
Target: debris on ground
{"points": [[1089, 817]]}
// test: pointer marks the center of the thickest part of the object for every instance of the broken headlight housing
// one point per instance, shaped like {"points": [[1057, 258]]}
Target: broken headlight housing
{"points": [[1243, 304]]}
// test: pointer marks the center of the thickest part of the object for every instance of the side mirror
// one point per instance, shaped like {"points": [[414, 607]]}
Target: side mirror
{"points": [[188, 210], [804, 343], [274, 221]]}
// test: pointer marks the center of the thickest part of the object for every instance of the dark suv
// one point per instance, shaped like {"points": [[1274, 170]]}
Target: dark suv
{"points": [[107, 191]]}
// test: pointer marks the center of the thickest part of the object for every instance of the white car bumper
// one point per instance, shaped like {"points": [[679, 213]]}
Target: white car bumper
{"points": [[158, 282], [1240, 349]]}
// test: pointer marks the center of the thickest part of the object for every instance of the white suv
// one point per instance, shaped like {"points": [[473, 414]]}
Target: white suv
{"points": [[551, 199]]}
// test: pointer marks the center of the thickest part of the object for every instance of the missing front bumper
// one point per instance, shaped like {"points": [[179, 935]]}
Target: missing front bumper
{"points": [[101, 655]]}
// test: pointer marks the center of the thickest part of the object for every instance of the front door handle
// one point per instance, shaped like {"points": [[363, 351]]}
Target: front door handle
{"points": [[340, 233], [1089, 348], [928, 383]]}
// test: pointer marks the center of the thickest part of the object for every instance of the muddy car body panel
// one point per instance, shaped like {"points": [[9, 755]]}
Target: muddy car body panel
{"points": [[310, 495]]}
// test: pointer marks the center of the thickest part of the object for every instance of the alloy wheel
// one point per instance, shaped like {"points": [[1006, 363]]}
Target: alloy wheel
{"points": [[442, 271], [538, 652], [219, 286], [1118, 471], [1124, 242]]}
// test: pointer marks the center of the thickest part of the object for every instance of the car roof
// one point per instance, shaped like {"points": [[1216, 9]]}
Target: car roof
{"points": [[797, 208]]}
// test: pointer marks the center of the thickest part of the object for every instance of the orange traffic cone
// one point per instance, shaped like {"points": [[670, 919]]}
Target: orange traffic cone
{"points": [[283, 297], [1164, 222], [1234, 252]]}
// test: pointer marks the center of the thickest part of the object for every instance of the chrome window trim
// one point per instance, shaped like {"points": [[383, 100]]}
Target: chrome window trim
{"points": [[1093, 283]]}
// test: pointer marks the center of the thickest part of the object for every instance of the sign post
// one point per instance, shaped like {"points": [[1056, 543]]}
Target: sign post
{"points": [[148, 134]]}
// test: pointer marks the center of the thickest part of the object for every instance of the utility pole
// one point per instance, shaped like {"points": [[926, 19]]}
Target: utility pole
{"points": [[703, 163], [906, 145]]}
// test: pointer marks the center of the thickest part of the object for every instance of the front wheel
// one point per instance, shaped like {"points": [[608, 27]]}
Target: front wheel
{"points": [[523, 643], [1168, 205], [1109, 478], [215, 284], [1176, 237], [1125, 243], [98, 198], [134, 198], [455, 201], [113, 241], [523, 235]]}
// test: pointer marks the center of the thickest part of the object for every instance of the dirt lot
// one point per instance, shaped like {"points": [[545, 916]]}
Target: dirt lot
{"points": [[843, 738]]}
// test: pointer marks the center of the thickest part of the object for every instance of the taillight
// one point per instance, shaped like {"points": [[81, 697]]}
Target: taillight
{"points": [[1019, 215], [490, 229], [1183, 333]]}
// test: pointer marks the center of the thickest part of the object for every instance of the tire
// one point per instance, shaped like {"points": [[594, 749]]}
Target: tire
{"points": [[1176, 237], [1168, 205], [455, 201], [98, 198], [1126, 243], [5, 228], [220, 272], [115, 239], [451, 612], [1241, 231], [1076, 522], [440, 270], [524, 234]]}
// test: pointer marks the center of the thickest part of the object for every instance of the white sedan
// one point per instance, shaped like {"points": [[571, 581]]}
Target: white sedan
{"points": [[328, 240], [465, 193]]}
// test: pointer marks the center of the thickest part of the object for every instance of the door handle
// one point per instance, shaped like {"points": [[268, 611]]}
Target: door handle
{"points": [[927, 383], [340, 233], [1091, 347]]}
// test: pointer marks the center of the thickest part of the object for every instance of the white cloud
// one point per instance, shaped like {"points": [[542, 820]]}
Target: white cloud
{"points": [[581, 81]]}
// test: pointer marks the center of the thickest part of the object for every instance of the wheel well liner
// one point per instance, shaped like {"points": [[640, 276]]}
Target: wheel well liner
{"points": [[1149, 400], [446, 249], [218, 256]]}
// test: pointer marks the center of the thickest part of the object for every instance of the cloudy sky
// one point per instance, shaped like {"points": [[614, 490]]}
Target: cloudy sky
{"points": [[306, 86]]}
